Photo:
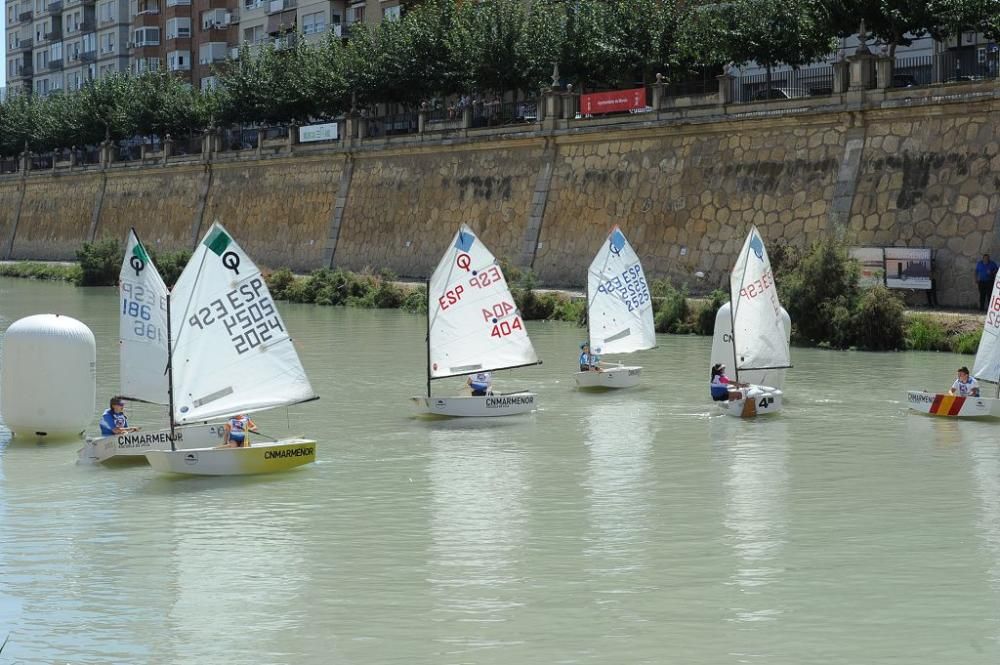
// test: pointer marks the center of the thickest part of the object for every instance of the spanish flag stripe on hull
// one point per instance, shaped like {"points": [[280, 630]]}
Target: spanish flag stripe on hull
{"points": [[937, 403], [956, 406], [947, 405]]}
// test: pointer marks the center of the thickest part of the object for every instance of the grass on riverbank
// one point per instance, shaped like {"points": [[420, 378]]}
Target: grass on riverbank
{"points": [[44, 271], [942, 332]]}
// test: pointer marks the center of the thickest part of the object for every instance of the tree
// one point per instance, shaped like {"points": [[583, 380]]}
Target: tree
{"points": [[892, 22], [772, 32]]}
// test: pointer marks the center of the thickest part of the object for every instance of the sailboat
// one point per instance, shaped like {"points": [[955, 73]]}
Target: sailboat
{"points": [[986, 369], [142, 357], [619, 312], [759, 339], [473, 326], [722, 349], [230, 354]]}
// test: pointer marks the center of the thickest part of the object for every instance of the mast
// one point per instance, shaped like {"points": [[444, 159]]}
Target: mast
{"points": [[428, 339], [170, 377], [732, 334]]}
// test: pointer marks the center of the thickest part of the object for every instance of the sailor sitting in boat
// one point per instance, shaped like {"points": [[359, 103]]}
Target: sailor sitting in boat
{"points": [[589, 362], [720, 383], [480, 384], [114, 421], [236, 431], [965, 385]]}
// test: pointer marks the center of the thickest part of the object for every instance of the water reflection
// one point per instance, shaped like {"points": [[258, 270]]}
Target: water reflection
{"points": [[756, 511], [478, 527], [619, 440]]}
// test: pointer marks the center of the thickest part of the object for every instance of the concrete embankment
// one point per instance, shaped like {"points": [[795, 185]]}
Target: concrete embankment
{"points": [[913, 167]]}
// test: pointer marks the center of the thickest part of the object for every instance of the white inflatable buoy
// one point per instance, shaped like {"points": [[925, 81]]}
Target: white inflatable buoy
{"points": [[48, 376]]}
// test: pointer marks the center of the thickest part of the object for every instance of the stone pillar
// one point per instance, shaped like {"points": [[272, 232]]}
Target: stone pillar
{"points": [[350, 126], [841, 76], [549, 107], [55, 158], [883, 71], [726, 82], [105, 153], [422, 116], [142, 153], [658, 93], [260, 141], [168, 148], [26, 159], [72, 157], [207, 144], [861, 69], [570, 103], [363, 126], [293, 135], [467, 117]]}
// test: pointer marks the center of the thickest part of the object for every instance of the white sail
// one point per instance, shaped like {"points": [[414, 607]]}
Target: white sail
{"points": [[760, 341], [474, 324], [231, 350], [987, 365], [722, 350], [142, 328], [620, 309]]}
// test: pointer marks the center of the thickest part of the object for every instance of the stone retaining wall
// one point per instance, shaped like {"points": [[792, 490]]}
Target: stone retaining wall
{"points": [[897, 168]]}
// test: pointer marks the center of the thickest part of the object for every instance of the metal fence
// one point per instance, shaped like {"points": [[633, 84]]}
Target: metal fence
{"points": [[693, 81], [393, 124], [494, 114], [40, 162], [10, 165], [785, 84], [188, 145]]}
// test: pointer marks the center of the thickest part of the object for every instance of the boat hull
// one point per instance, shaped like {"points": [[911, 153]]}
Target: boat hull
{"points": [[256, 459], [132, 447], [752, 401], [612, 377], [488, 406], [952, 406]]}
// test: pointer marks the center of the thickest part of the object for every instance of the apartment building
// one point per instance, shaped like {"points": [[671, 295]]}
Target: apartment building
{"points": [[53, 44], [187, 37]]}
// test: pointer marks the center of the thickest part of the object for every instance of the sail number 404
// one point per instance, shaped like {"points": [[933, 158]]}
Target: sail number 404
{"points": [[502, 328]]}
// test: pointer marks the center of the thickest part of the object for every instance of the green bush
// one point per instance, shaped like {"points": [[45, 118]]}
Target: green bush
{"points": [[879, 320], [100, 262], [967, 342], [705, 321], [415, 301], [278, 283], [171, 264], [926, 334], [817, 291], [672, 310], [43, 271]]}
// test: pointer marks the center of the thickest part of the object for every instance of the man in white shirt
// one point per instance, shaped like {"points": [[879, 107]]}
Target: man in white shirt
{"points": [[965, 385]]}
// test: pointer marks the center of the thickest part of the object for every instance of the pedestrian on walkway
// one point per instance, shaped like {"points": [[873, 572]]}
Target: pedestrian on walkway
{"points": [[986, 272]]}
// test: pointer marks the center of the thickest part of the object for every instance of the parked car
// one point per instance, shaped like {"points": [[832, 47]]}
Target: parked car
{"points": [[781, 93], [903, 80]]}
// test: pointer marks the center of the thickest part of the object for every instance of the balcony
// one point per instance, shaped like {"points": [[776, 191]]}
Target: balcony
{"points": [[281, 5], [150, 9], [88, 25], [56, 64], [88, 56], [55, 7], [22, 45], [54, 34], [24, 71], [107, 20], [25, 16]]}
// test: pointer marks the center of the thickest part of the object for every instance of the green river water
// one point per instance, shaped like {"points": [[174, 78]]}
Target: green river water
{"points": [[630, 527]]}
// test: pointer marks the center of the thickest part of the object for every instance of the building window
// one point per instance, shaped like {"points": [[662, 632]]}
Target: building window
{"points": [[253, 4], [179, 61], [88, 43], [56, 52], [392, 13], [212, 52], [313, 23], [106, 12], [179, 28], [146, 37], [356, 14], [254, 35], [71, 22], [215, 18], [209, 83], [108, 43], [73, 52], [174, 3], [143, 65]]}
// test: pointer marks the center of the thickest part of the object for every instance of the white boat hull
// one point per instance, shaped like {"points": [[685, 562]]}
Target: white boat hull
{"points": [[487, 406], [133, 446], [752, 401], [257, 458], [952, 406], [612, 377]]}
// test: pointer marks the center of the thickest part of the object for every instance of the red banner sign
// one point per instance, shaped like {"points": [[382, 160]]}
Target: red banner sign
{"points": [[616, 101]]}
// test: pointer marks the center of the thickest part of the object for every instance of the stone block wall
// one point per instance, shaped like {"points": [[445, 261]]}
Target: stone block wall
{"points": [[686, 199], [56, 216], [10, 194], [278, 210], [404, 206], [161, 203], [932, 181]]}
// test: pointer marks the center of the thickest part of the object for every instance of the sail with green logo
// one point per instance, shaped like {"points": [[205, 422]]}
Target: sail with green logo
{"points": [[142, 330]]}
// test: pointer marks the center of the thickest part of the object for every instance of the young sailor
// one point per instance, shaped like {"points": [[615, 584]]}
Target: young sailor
{"points": [[114, 421], [720, 383], [589, 361], [236, 431], [480, 383], [965, 385]]}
